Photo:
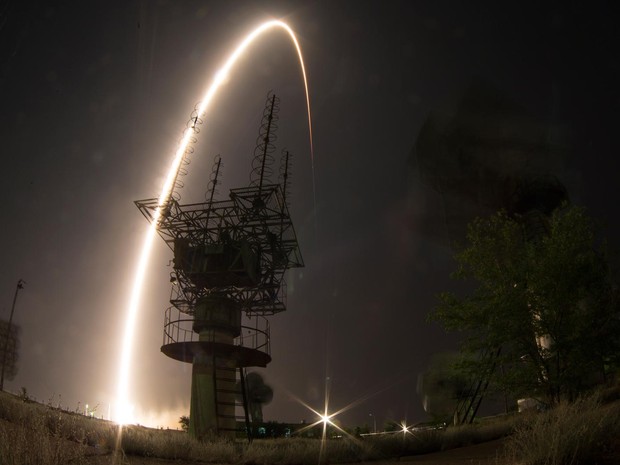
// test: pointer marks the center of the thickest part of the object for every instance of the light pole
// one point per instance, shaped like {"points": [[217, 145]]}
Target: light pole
{"points": [[20, 285], [374, 422]]}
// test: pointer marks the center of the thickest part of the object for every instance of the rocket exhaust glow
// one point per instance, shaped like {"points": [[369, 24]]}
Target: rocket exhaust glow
{"points": [[123, 414]]}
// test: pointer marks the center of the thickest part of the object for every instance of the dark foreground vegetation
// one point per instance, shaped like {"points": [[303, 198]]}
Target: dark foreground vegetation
{"points": [[584, 431], [541, 318]]}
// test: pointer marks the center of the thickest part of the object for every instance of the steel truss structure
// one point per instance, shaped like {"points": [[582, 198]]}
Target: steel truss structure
{"points": [[238, 248], [230, 259]]}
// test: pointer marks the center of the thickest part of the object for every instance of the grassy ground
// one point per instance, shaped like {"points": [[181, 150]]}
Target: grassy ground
{"points": [[31, 433], [583, 432]]}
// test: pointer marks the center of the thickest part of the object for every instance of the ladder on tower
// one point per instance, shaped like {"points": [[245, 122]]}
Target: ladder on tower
{"points": [[230, 395]]}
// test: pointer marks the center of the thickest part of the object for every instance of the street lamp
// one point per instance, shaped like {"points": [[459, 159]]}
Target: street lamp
{"points": [[20, 285], [374, 421]]}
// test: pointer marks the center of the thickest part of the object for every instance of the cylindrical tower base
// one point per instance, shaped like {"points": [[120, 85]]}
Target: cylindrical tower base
{"points": [[212, 408], [214, 377], [210, 345]]}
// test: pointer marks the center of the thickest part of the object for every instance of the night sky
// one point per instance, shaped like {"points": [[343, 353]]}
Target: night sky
{"points": [[94, 97]]}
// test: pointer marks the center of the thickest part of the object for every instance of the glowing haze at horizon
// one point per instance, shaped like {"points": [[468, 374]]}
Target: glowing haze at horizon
{"points": [[124, 408]]}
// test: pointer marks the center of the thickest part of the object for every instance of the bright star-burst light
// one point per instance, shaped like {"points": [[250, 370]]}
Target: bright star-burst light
{"points": [[405, 429], [326, 419], [123, 414]]}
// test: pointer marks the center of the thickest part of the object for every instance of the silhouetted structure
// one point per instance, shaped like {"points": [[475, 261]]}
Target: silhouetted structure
{"points": [[9, 340], [9, 345], [230, 257]]}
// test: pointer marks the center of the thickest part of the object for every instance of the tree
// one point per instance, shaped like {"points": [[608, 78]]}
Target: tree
{"points": [[545, 307], [184, 422]]}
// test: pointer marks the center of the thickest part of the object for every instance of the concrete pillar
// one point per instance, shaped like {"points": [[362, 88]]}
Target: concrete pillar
{"points": [[212, 413], [212, 407]]}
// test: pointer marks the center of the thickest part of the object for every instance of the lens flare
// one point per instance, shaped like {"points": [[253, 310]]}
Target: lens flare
{"points": [[328, 418], [404, 428], [325, 419], [123, 414]]}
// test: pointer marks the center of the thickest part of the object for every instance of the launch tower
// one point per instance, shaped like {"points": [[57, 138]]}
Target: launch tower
{"points": [[230, 257]]}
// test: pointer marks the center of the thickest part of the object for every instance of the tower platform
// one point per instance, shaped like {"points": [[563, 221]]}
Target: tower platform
{"points": [[240, 355]]}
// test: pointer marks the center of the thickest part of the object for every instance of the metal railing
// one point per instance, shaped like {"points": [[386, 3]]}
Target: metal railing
{"points": [[254, 332]]}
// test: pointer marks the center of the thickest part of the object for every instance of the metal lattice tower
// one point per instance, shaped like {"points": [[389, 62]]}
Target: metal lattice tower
{"points": [[230, 257]]}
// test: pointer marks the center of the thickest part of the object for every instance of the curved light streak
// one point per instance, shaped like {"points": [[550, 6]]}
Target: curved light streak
{"points": [[124, 408]]}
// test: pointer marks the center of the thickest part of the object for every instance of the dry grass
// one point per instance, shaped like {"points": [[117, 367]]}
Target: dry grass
{"points": [[64, 437], [582, 432], [175, 445], [60, 437], [37, 435], [487, 430], [299, 451]]}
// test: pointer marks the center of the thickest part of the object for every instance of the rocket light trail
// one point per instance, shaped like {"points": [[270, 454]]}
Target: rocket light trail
{"points": [[123, 407]]}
